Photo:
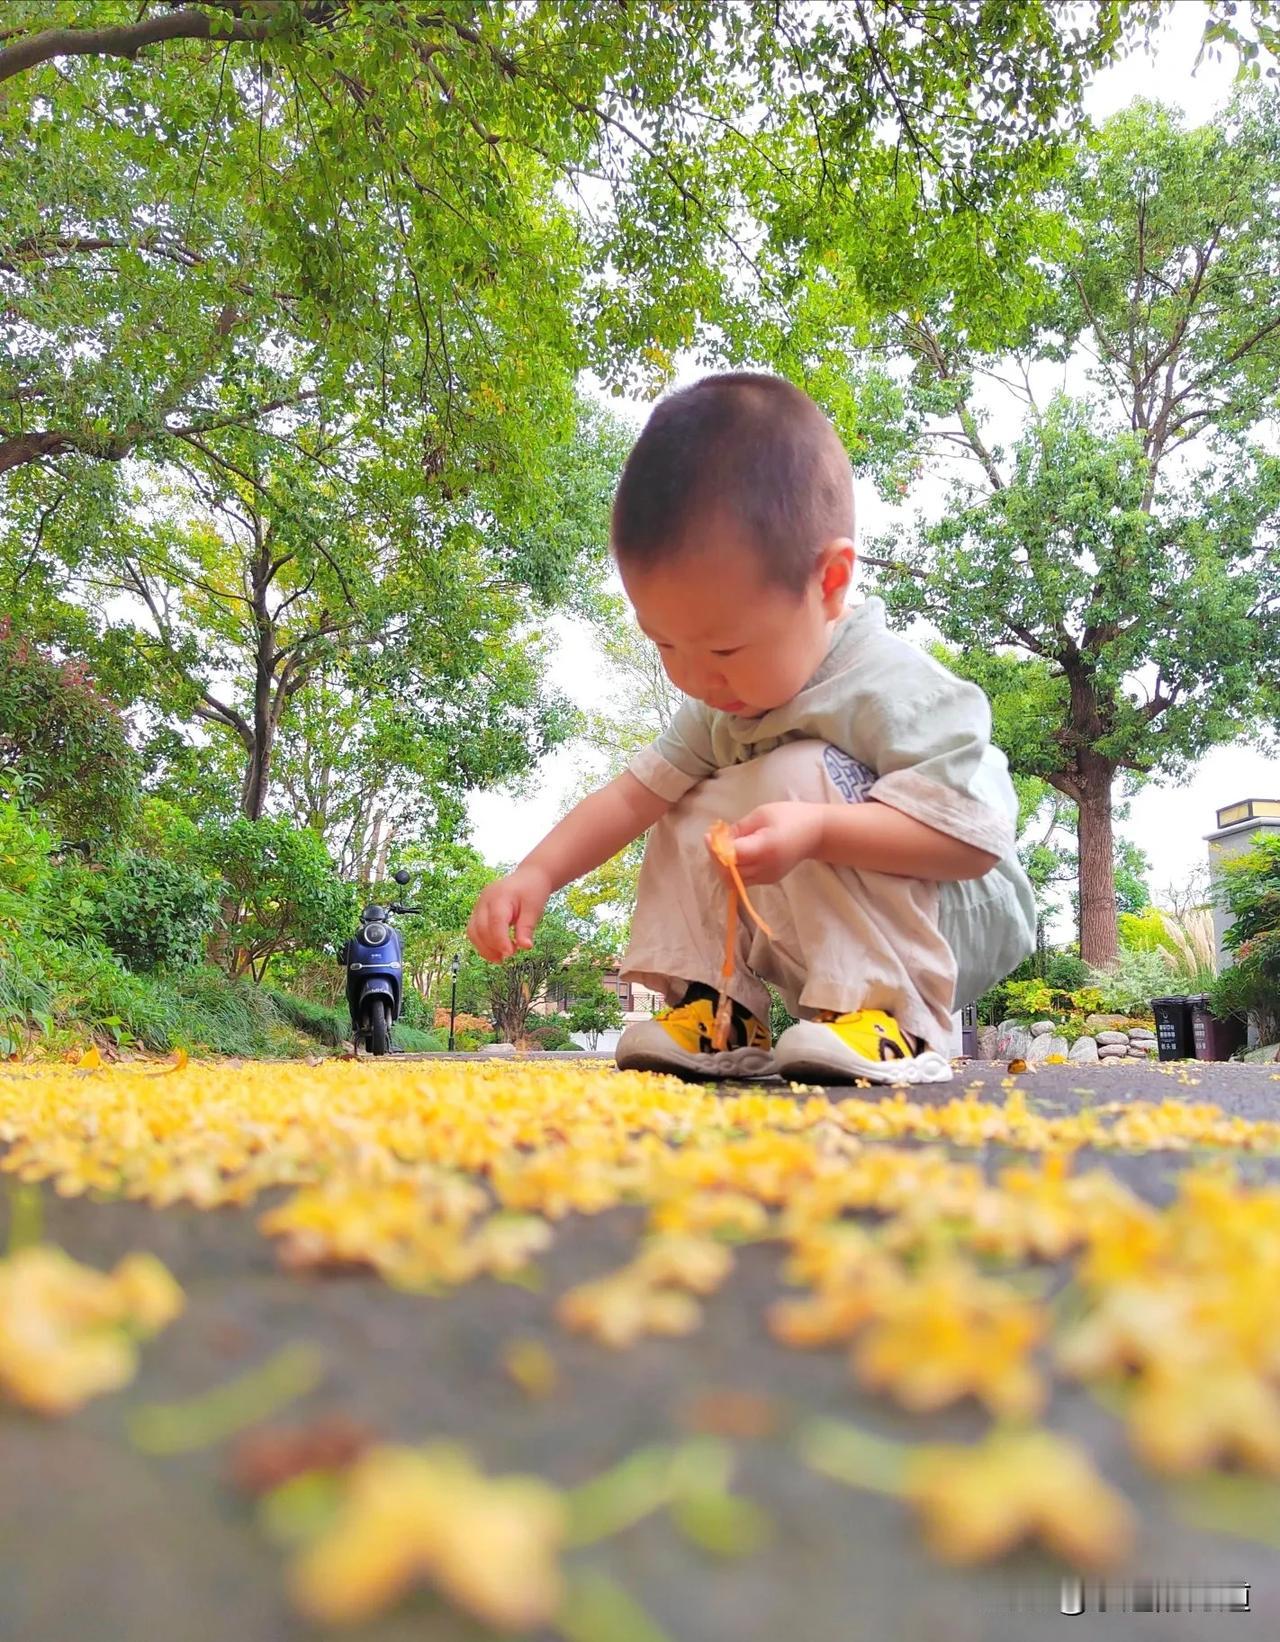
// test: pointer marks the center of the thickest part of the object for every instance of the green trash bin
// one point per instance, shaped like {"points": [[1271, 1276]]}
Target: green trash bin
{"points": [[1214, 1038], [1174, 1038]]}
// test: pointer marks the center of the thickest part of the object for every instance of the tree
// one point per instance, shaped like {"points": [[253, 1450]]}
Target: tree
{"points": [[512, 988], [64, 742], [282, 895], [348, 160], [1136, 570], [447, 879], [565, 949], [310, 596], [593, 1007]]}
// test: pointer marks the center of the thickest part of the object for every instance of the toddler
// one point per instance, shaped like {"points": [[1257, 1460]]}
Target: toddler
{"points": [[867, 804]]}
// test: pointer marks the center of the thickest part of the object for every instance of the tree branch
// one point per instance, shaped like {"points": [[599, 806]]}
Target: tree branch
{"points": [[125, 41]]}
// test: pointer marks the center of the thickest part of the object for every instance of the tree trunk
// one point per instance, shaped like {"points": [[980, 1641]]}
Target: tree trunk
{"points": [[1098, 940], [257, 777]]}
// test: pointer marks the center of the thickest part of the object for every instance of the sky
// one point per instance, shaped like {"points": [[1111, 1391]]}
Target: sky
{"points": [[1168, 821]]}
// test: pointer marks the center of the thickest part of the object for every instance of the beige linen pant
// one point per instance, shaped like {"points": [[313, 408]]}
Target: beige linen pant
{"points": [[842, 939]]}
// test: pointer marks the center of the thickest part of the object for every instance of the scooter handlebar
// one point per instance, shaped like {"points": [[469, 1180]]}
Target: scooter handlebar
{"points": [[406, 912]]}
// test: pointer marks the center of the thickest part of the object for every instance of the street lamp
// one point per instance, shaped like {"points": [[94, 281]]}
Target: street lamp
{"points": [[453, 1000]]}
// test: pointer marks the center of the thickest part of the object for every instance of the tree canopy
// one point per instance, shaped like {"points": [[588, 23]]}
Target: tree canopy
{"points": [[1125, 544]]}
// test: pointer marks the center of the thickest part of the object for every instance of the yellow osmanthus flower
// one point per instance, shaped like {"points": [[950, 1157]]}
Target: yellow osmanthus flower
{"points": [[1186, 1416], [409, 1230], [729, 1212], [621, 1309], [652, 1294], [948, 1333], [490, 1545], [979, 1502], [435, 1173], [68, 1332]]}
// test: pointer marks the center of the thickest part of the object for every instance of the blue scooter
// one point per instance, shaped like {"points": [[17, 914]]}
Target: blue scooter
{"points": [[375, 970]]}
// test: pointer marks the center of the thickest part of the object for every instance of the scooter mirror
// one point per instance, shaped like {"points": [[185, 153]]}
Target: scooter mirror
{"points": [[403, 876]]}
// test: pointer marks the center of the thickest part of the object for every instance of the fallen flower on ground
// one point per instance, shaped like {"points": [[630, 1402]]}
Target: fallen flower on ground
{"points": [[946, 1333], [490, 1545], [68, 1332], [979, 1502]]}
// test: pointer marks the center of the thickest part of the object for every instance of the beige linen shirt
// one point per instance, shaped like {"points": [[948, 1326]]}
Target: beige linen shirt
{"points": [[924, 737], [923, 733]]}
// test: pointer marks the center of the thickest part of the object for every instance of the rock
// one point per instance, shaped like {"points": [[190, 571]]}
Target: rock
{"points": [[1014, 1044], [988, 1043], [1039, 1028], [498, 1049], [1112, 1051], [1103, 1023], [1142, 1037], [1084, 1051], [1045, 1044], [1263, 1055], [1134, 1052], [1113, 1037]]}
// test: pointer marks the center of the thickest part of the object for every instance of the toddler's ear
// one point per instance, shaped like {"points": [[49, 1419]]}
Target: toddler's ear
{"points": [[835, 568]]}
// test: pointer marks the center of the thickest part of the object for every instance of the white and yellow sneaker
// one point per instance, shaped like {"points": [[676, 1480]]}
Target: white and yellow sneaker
{"points": [[864, 1044], [679, 1040]]}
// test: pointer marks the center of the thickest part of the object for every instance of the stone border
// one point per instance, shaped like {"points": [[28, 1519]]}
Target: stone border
{"points": [[1011, 1040]]}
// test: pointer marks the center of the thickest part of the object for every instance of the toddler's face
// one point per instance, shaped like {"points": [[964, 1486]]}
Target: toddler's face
{"points": [[725, 634]]}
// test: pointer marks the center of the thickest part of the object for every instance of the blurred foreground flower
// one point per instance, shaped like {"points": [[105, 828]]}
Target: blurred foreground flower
{"points": [[491, 1545], [978, 1502], [68, 1332]]}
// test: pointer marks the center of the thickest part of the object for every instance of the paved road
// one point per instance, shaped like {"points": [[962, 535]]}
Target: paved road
{"points": [[102, 1543]]}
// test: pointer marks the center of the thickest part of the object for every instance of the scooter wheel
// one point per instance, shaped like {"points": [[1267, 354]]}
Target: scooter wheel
{"points": [[378, 1017]]}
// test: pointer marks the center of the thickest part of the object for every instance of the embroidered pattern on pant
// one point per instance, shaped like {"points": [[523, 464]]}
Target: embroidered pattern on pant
{"points": [[854, 779]]}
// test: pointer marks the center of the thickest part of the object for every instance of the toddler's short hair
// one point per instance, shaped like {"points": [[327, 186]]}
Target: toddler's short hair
{"points": [[747, 447]]}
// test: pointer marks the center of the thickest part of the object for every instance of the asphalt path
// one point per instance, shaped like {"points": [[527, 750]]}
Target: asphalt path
{"points": [[102, 1542]]}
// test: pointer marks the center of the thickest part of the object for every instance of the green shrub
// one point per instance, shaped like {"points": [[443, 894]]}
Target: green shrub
{"points": [[411, 1038], [26, 1004], [1035, 999], [549, 1035], [1241, 990], [223, 1016], [1250, 890], [331, 1026], [417, 1012], [24, 868], [993, 1005], [156, 914], [1128, 987], [64, 741], [284, 894], [1066, 971]]}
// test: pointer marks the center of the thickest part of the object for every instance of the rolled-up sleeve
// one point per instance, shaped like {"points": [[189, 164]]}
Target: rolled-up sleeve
{"points": [[935, 761], [679, 758]]}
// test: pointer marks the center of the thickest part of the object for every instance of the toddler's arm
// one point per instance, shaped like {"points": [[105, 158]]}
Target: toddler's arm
{"points": [[871, 836], [593, 831]]}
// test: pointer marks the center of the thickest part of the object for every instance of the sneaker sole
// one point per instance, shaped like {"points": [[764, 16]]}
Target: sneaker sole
{"points": [[809, 1053], [728, 1063]]}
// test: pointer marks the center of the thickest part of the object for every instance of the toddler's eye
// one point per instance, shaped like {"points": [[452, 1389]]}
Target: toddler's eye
{"points": [[732, 652]]}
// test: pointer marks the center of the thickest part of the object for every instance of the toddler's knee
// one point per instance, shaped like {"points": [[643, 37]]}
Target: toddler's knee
{"points": [[797, 769]]}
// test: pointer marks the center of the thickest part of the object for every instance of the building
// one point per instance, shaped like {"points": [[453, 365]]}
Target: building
{"points": [[1238, 825], [638, 1003]]}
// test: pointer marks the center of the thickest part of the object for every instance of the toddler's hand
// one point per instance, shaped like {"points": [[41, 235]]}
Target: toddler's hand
{"points": [[775, 838], [515, 900]]}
